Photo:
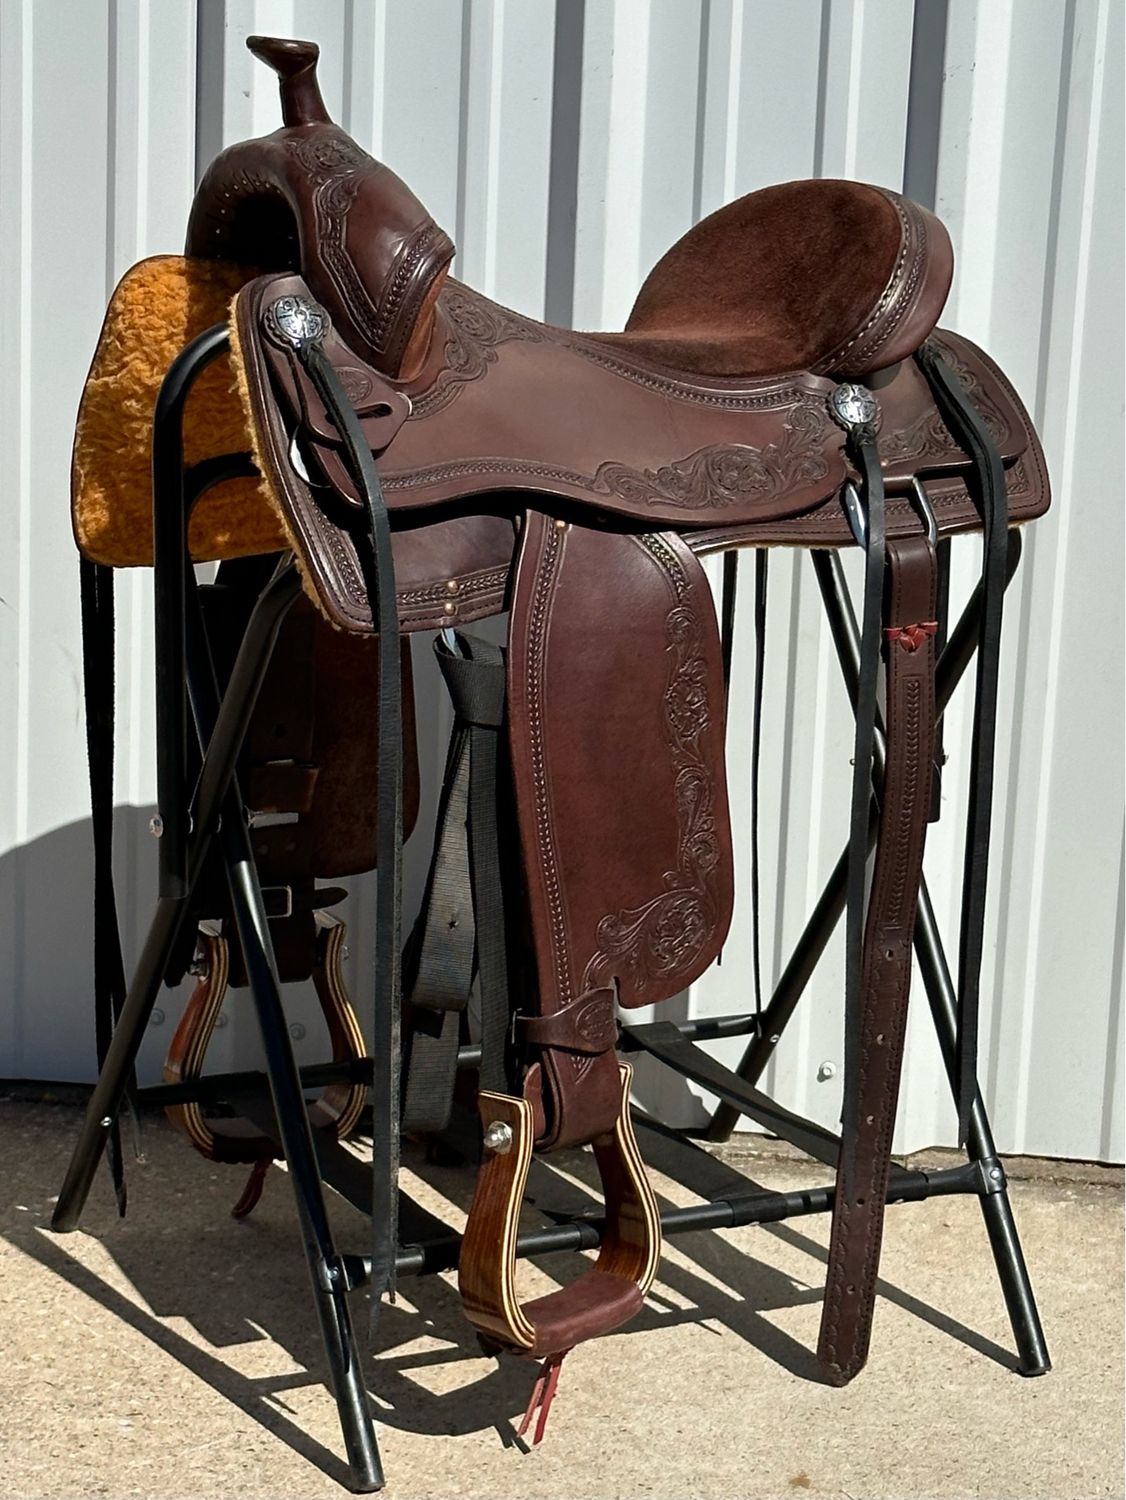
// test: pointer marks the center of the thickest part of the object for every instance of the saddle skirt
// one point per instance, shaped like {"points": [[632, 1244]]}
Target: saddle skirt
{"points": [[725, 462]]}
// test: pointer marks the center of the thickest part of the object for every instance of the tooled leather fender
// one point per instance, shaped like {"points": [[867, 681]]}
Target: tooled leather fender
{"points": [[615, 704], [308, 196]]}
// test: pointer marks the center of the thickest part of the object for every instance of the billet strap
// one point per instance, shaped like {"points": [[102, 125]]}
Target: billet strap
{"points": [[610, 1292], [299, 326], [97, 602], [459, 934], [858, 412], [876, 1045], [971, 432]]}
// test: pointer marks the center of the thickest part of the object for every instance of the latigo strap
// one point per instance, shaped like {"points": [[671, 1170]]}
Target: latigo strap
{"points": [[872, 1091]]}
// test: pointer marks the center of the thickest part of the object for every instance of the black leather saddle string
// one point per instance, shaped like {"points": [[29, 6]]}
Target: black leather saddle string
{"points": [[761, 559], [969, 430], [380, 581], [727, 646]]}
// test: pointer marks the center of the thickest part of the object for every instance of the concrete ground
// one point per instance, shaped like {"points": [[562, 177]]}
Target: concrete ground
{"points": [[175, 1355]]}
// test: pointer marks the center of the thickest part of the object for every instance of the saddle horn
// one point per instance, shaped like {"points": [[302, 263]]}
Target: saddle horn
{"points": [[308, 198], [295, 63]]}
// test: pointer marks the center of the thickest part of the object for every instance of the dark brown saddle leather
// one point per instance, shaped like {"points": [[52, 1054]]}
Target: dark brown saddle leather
{"points": [[575, 479]]}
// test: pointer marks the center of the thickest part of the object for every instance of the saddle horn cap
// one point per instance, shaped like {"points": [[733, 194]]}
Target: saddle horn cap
{"points": [[295, 63]]}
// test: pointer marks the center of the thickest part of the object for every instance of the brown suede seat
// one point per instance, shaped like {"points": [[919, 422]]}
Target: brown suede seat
{"points": [[838, 278]]}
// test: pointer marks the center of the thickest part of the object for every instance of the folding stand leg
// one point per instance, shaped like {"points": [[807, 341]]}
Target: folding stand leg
{"points": [[109, 1091], [993, 1193], [330, 1282], [326, 1267], [172, 910], [996, 1209]]}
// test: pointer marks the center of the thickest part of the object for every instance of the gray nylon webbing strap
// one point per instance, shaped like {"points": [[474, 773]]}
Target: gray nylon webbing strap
{"points": [[460, 929]]}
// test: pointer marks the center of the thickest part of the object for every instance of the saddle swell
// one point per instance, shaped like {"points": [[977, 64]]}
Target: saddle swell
{"points": [[308, 197]]}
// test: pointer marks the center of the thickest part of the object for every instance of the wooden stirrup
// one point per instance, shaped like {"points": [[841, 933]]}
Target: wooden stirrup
{"points": [[236, 1141], [610, 1292]]}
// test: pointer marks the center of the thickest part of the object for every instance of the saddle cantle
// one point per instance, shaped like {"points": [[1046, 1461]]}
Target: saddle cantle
{"points": [[431, 458]]}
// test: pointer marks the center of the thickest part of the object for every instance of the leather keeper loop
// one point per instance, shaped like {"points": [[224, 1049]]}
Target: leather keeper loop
{"points": [[587, 1025]]}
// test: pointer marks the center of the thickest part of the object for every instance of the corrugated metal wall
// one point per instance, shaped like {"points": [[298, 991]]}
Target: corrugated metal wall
{"points": [[566, 145]]}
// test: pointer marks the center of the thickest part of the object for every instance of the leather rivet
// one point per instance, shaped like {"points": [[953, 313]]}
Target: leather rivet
{"points": [[452, 586], [880, 1039], [561, 525], [449, 609]]}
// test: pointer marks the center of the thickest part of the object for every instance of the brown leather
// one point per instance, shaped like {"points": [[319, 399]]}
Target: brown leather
{"points": [[586, 1024], [721, 461], [308, 196], [596, 1304], [835, 277], [615, 715], [865, 1159], [705, 424]]}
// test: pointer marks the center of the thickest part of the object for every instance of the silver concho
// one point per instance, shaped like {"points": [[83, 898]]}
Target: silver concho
{"points": [[854, 406], [296, 321]]}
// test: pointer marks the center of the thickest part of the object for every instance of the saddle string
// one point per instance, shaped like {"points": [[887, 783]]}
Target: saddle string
{"points": [[761, 560], [543, 1394], [970, 431], [379, 569]]}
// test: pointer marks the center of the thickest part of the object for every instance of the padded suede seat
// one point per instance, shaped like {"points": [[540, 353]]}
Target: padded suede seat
{"points": [[834, 277]]}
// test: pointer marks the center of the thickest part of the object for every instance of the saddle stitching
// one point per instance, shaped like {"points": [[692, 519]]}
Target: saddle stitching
{"points": [[913, 235], [551, 548]]}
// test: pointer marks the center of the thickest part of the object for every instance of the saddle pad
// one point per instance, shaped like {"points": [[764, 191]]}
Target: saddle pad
{"points": [[158, 307]]}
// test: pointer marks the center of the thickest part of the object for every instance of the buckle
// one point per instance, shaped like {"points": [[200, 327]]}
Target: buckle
{"points": [[855, 514], [278, 902], [924, 510]]}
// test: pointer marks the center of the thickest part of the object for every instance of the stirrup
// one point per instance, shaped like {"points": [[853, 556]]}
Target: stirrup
{"points": [[610, 1292]]}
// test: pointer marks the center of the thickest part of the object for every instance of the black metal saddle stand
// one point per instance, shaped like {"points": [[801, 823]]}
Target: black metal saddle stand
{"points": [[195, 818]]}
